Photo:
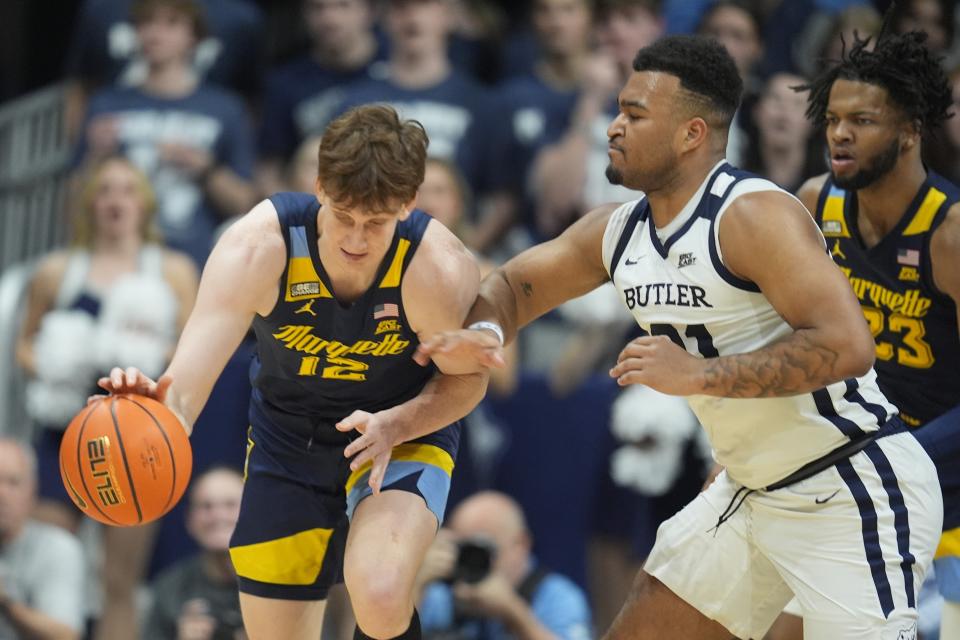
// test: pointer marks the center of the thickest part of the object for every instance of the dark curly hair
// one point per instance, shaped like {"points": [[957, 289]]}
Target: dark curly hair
{"points": [[705, 70], [902, 65]]}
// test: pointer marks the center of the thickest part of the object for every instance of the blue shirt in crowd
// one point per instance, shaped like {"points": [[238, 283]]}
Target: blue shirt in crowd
{"points": [[104, 48], [452, 111], [557, 603], [300, 98], [209, 119]]}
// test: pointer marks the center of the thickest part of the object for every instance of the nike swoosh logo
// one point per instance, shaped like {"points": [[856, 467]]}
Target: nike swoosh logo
{"points": [[828, 498], [630, 262]]}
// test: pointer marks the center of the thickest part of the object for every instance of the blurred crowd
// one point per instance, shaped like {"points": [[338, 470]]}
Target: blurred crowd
{"points": [[185, 113]]}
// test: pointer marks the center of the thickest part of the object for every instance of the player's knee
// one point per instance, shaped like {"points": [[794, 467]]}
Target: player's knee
{"points": [[381, 600]]}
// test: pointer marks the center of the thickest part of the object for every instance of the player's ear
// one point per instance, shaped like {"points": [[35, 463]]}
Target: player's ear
{"points": [[407, 209], [911, 135], [694, 133]]}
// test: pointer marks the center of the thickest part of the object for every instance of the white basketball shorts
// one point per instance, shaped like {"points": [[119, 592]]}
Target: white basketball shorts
{"points": [[853, 542]]}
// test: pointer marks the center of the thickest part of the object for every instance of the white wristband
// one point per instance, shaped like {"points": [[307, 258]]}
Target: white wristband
{"points": [[489, 326]]}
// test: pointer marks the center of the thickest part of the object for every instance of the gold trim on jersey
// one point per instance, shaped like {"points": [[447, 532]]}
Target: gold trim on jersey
{"points": [[409, 452], [296, 559], [923, 218], [392, 277], [303, 281], [834, 224]]}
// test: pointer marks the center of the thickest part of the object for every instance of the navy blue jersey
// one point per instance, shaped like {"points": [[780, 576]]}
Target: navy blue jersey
{"points": [[914, 324], [319, 360]]}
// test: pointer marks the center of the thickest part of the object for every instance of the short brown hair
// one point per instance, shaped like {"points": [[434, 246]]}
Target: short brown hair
{"points": [[370, 159], [143, 10]]}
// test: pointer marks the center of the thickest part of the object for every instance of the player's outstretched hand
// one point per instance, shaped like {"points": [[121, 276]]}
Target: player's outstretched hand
{"points": [[132, 380], [467, 346], [374, 445], [657, 362]]}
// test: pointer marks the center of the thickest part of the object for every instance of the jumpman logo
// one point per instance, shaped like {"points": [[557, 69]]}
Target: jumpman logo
{"points": [[836, 251], [307, 308]]}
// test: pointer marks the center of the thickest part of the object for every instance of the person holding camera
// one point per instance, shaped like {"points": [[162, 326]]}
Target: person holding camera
{"points": [[480, 581]]}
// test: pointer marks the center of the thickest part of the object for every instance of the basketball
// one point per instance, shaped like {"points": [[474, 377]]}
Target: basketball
{"points": [[125, 460]]}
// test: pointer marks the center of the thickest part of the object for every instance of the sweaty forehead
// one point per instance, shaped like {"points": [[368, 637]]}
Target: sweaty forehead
{"points": [[848, 96]]}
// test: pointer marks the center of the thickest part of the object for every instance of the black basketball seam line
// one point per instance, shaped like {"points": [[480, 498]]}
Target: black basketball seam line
{"points": [[123, 455], [83, 426], [173, 460]]}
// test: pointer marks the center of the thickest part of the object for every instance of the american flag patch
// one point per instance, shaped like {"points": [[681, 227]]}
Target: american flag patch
{"points": [[388, 310], [909, 257]]}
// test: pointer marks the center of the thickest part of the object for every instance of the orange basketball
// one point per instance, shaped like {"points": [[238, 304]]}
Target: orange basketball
{"points": [[125, 460]]}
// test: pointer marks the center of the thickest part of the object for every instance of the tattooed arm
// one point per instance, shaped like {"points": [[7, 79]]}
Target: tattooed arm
{"points": [[545, 276], [768, 238]]}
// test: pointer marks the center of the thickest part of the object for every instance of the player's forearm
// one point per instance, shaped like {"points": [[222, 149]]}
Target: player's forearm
{"points": [[804, 361], [35, 625], [497, 302], [444, 400]]}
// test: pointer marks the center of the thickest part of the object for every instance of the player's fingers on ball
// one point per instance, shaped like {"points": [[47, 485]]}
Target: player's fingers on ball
{"points": [[105, 383], [133, 377], [116, 378]]}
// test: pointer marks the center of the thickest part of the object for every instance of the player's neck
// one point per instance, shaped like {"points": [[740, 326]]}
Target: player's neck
{"points": [[884, 202], [667, 201], [349, 284], [417, 72], [173, 80]]}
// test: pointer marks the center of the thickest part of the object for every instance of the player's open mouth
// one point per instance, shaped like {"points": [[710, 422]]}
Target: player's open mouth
{"points": [[841, 159]]}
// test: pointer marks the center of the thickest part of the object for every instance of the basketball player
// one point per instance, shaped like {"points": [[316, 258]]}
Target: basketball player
{"points": [[338, 288], [893, 227], [824, 494]]}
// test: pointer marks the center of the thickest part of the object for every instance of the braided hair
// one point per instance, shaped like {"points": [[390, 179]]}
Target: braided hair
{"points": [[899, 63]]}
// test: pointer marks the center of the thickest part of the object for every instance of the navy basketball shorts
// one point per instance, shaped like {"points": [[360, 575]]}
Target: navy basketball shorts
{"points": [[300, 495]]}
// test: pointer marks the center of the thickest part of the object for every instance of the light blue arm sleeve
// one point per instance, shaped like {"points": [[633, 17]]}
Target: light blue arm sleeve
{"points": [[561, 606]]}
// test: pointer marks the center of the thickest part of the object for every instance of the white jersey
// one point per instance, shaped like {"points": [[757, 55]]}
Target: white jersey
{"points": [[678, 286]]}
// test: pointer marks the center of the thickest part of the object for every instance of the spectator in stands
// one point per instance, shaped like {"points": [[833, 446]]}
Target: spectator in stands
{"points": [[934, 17], [781, 145], [419, 80], [535, 108], [301, 172], [41, 566], [191, 139], [825, 35], [481, 582], [738, 27], [105, 50], [301, 96], [197, 598], [115, 296], [567, 177], [942, 153]]}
